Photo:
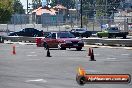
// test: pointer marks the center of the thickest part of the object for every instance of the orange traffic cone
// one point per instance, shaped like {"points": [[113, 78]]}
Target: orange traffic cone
{"points": [[89, 53], [14, 50], [92, 56]]}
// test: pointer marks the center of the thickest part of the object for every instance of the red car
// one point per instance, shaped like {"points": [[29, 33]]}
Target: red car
{"points": [[62, 40]]}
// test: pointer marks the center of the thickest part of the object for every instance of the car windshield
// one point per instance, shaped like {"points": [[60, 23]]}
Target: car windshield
{"points": [[80, 29], [65, 35], [113, 29], [45, 34]]}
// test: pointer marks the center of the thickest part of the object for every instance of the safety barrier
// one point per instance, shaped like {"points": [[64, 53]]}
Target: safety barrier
{"points": [[119, 42], [20, 39], [103, 41]]}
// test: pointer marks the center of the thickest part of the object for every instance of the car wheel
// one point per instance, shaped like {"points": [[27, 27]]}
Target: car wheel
{"points": [[124, 37], [100, 36], [81, 36], [114, 36], [45, 45], [61, 48], [1, 40], [79, 49], [109, 36], [80, 80]]}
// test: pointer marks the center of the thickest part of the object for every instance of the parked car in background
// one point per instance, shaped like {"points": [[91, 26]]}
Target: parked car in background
{"points": [[62, 40], [30, 32], [112, 32], [46, 33], [81, 32], [1, 39]]}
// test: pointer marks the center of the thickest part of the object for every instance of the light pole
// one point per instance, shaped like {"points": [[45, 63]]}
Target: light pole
{"points": [[81, 15], [27, 6]]}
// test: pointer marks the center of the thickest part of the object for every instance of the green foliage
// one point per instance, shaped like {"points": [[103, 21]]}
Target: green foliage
{"points": [[100, 7], [67, 3], [4, 17], [18, 7], [99, 13], [9, 7], [54, 2], [85, 20], [91, 7], [36, 4], [5, 10]]}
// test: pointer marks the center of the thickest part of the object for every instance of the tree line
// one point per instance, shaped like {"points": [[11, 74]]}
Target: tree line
{"points": [[9, 7], [90, 7]]}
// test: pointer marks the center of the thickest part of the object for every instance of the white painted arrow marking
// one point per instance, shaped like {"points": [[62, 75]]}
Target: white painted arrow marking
{"points": [[31, 55], [37, 80]]}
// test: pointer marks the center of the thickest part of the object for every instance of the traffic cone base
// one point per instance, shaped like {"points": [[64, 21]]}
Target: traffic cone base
{"points": [[89, 53], [48, 53], [14, 50], [92, 56]]}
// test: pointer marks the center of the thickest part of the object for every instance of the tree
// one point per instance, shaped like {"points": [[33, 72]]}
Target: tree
{"points": [[67, 3], [36, 3], [100, 7], [88, 8], [18, 7], [5, 10], [85, 20]]}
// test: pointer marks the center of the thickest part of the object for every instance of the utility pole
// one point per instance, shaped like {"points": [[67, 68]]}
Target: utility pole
{"points": [[106, 10], [81, 15], [27, 6], [94, 3]]}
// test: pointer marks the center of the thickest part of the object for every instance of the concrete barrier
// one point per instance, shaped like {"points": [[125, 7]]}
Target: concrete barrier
{"points": [[121, 42], [111, 42], [20, 39], [91, 40]]}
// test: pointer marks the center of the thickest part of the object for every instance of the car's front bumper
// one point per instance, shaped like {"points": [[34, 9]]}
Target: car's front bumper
{"points": [[71, 45]]}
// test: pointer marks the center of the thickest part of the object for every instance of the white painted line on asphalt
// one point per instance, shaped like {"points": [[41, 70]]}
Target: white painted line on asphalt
{"points": [[37, 80], [32, 59], [112, 47], [128, 48], [90, 45], [23, 43], [8, 42], [125, 54], [32, 52], [30, 44], [110, 58], [31, 55], [97, 54]]}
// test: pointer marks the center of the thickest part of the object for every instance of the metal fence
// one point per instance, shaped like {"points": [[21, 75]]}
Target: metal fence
{"points": [[20, 22]]}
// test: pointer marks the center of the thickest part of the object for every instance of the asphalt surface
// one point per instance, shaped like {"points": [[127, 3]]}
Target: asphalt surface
{"points": [[30, 68]]}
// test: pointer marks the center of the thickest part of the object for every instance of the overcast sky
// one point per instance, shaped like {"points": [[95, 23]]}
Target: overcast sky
{"points": [[24, 3]]}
